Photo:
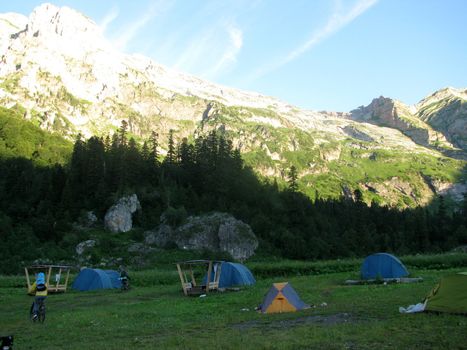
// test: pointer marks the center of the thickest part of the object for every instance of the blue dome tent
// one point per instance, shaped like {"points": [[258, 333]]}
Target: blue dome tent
{"points": [[383, 265], [234, 274], [92, 279]]}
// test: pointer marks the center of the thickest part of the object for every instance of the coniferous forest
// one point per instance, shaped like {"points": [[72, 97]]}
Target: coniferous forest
{"points": [[39, 203]]}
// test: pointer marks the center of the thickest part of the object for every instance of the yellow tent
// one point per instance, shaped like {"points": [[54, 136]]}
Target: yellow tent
{"points": [[281, 297]]}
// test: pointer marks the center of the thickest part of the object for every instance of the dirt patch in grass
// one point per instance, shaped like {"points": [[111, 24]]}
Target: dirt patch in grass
{"points": [[324, 320]]}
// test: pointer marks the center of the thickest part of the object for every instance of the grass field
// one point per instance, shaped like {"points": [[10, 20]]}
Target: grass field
{"points": [[160, 317]]}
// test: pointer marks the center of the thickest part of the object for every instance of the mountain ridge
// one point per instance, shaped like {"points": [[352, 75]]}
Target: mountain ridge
{"points": [[69, 79]]}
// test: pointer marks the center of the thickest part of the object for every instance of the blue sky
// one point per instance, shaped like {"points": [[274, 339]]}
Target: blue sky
{"points": [[316, 54]]}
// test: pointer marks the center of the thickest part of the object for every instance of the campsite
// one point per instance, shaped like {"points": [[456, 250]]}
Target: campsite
{"points": [[156, 314], [233, 174]]}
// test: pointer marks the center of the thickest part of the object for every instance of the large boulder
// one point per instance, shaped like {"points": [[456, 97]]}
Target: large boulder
{"points": [[82, 247], [216, 232], [237, 238], [160, 237], [118, 217], [84, 251]]}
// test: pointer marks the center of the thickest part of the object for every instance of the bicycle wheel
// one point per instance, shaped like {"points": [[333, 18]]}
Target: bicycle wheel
{"points": [[31, 313], [42, 312]]}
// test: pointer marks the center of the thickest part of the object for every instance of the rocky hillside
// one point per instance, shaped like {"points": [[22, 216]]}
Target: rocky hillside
{"points": [[394, 114], [446, 112], [438, 121], [58, 69]]}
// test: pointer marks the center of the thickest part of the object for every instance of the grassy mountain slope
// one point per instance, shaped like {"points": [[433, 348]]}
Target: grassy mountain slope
{"points": [[21, 138]]}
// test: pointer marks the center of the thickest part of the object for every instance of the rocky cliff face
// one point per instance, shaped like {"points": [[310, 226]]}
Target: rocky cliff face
{"points": [[446, 112], [438, 121], [216, 232], [394, 114], [57, 67]]}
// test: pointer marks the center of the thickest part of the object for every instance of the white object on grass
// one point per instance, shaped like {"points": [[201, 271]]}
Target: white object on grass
{"points": [[420, 307]]}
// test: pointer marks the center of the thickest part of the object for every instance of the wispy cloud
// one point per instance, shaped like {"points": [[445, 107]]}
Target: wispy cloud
{"points": [[109, 18], [213, 51], [336, 22], [198, 50], [131, 29], [229, 56]]}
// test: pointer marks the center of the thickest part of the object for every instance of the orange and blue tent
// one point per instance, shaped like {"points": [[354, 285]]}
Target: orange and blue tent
{"points": [[281, 297]]}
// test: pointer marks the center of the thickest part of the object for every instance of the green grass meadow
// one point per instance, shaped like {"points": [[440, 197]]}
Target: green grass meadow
{"points": [[152, 316]]}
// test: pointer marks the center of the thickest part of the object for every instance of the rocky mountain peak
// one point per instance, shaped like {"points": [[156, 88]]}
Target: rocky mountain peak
{"points": [[391, 113], [61, 29], [380, 108], [446, 111], [445, 93], [48, 19]]}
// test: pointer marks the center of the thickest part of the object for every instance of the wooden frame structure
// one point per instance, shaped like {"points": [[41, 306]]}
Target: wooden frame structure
{"points": [[188, 280], [59, 270]]}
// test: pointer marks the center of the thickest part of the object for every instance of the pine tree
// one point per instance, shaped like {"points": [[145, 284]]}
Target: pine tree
{"points": [[122, 133], [212, 148], [170, 157], [73, 196], [154, 144], [185, 154], [225, 149], [132, 165], [95, 169], [292, 180], [114, 164], [145, 152], [107, 143]]}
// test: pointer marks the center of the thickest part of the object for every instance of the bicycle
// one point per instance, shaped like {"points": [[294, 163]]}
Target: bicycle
{"points": [[40, 316], [125, 283]]}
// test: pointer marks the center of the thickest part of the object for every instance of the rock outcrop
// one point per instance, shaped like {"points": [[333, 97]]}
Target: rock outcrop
{"points": [[455, 191], [84, 251], [399, 192], [82, 247], [216, 232], [387, 112], [162, 236], [446, 111], [119, 217]]}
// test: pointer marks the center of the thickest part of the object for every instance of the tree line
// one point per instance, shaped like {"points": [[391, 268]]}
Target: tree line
{"points": [[38, 204]]}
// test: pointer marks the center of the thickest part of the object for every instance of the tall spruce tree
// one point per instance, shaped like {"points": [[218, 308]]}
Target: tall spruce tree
{"points": [[292, 179], [154, 144], [95, 171], [122, 133], [171, 151]]}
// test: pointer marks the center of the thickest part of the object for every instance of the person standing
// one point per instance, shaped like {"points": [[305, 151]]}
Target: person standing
{"points": [[39, 290]]}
